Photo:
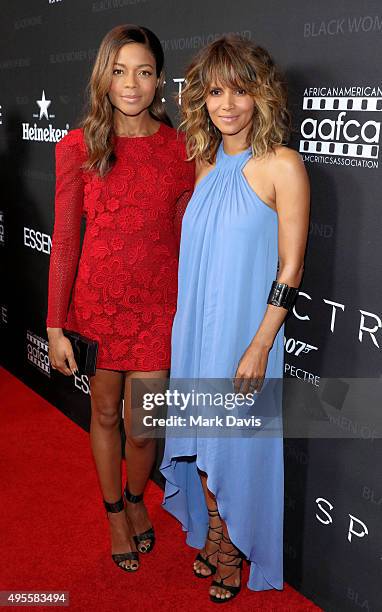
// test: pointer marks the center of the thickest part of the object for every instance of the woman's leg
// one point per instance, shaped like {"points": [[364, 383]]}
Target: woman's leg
{"points": [[219, 550], [106, 390], [228, 570], [140, 451], [212, 544]]}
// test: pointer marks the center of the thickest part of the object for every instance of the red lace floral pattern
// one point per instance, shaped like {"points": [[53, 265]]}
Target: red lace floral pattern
{"points": [[123, 286]]}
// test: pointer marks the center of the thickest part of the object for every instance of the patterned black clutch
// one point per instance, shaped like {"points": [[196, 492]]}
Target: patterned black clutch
{"points": [[85, 352]]}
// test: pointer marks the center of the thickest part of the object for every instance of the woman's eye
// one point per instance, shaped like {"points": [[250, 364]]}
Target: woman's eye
{"points": [[145, 73], [241, 92], [117, 71], [215, 92]]}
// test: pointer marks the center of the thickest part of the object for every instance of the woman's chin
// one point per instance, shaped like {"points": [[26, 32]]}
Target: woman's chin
{"points": [[230, 130]]}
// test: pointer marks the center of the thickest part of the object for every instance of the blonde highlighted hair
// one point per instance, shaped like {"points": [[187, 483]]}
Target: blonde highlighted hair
{"points": [[98, 122], [239, 64]]}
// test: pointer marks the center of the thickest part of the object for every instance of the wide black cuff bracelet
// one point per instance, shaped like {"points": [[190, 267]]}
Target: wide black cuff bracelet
{"points": [[282, 295]]}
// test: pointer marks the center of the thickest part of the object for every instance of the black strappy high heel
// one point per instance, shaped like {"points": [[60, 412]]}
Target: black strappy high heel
{"points": [[235, 555], [118, 558], [217, 540], [146, 535]]}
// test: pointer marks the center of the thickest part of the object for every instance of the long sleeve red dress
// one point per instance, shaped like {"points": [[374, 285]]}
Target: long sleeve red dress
{"points": [[121, 290]]}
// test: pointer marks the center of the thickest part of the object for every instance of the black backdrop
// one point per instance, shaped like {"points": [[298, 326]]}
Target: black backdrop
{"points": [[330, 53]]}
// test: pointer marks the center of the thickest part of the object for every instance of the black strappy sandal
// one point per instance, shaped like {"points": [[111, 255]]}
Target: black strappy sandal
{"points": [[146, 535], [118, 558], [236, 556], [205, 560]]}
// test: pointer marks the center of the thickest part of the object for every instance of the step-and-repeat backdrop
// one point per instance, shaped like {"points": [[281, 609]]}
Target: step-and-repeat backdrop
{"points": [[330, 53]]}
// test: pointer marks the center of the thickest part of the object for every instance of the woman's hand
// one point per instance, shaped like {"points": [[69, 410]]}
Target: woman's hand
{"points": [[61, 352], [251, 369]]}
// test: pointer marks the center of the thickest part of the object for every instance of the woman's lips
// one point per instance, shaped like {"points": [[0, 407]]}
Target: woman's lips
{"points": [[228, 118], [130, 98]]}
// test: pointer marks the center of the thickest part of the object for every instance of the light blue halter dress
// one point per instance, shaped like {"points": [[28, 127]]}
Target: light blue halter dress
{"points": [[228, 260]]}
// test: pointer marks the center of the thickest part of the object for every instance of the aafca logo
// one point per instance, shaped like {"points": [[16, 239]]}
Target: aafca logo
{"points": [[37, 352], [44, 131], [341, 126]]}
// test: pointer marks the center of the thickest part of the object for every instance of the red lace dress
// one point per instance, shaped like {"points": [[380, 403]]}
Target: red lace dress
{"points": [[122, 289]]}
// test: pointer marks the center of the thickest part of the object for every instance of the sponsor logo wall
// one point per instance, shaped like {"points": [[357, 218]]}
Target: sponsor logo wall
{"points": [[336, 127], [333, 337], [43, 132]]}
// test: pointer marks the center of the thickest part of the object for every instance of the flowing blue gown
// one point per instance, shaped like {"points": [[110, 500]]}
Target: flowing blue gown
{"points": [[228, 260]]}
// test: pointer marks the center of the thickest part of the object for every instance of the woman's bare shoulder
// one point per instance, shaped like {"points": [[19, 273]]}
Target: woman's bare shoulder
{"points": [[287, 169], [202, 168], [284, 156]]}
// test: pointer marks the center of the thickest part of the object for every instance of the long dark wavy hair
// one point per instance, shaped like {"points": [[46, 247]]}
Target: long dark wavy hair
{"points": [[98, 121]]}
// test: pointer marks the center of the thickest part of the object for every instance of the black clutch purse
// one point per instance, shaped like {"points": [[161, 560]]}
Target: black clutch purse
{"points": [[85, 352]]}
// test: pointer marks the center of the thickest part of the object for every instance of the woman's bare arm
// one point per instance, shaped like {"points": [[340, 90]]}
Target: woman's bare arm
{"points": [[292, 191]]}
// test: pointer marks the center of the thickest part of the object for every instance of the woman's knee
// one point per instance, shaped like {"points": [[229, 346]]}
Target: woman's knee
{"points": [[138, 442], [106, 413]]}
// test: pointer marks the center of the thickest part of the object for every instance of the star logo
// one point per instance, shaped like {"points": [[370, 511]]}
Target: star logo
{"points": [[43, 105]]}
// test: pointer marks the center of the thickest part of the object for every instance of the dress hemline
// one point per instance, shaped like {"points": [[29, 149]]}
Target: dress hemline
{"points": [[131, 367], [165, 469]]}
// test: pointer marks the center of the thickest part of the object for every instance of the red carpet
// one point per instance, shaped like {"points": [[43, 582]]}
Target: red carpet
{"points": [[54, 531]]}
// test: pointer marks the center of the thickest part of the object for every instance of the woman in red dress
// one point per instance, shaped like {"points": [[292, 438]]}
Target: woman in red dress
{"points": [[125, 170]]}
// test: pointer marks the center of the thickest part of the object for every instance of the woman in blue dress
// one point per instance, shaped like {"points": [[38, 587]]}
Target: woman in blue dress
{"points": [[242, 252]]}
